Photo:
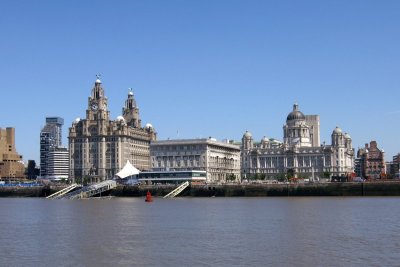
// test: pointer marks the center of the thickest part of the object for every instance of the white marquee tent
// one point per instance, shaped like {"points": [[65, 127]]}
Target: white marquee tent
{"points": [[127, 170]]}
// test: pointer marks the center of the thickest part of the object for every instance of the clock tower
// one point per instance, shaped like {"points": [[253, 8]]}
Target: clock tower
{"points": [[97, 104]]}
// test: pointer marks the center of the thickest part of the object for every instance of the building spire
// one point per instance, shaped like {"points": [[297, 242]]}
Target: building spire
{"points": [[98, 78]]}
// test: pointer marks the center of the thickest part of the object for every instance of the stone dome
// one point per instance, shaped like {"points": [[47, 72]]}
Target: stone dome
{"points": [[296, 114], [120, 118], [337, 130], [247, 134], [347, 136], [98, 81], [264, 139], [149, 126]]}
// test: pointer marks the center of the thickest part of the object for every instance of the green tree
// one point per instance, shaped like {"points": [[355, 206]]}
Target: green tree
{"points": [[86, 181], [230, 177], [290, 173], [326, 174], [281, 177], [78, 180], [302, 176]]}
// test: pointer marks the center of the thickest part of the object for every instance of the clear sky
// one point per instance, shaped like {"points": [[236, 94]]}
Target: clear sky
{"points": [[204, 68]]}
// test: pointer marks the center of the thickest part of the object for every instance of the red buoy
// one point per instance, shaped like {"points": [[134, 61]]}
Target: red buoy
{"points": [[148, 197]]}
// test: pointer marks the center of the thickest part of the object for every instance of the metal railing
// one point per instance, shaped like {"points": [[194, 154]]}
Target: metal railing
{"points": [[177, 190], [62, 192], [92, 190]]}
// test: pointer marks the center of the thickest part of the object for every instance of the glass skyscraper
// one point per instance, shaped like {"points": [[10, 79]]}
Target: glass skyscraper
{"points": [[50, 139]]}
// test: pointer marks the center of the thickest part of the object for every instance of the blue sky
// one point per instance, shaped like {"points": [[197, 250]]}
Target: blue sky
{"points": [[204, 68]]}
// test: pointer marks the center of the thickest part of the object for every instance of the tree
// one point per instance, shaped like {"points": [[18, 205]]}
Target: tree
{"points": [[32, 172], [326, 174], [281, 177], [86, 181], [230, 177], [302, 176], [290, 173]]}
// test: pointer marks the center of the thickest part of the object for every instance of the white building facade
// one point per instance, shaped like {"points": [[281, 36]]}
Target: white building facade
{"points": [[58, 164], [221, 160], [300, 155]]}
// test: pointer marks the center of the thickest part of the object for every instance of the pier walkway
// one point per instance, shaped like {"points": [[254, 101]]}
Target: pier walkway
{"points": [[177, 190], [62, 192], [92, 190], [84, 192]]}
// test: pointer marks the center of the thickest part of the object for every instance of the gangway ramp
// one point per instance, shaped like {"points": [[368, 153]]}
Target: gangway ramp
{"points": [[64, 191], [177, 190], [92, 190]]}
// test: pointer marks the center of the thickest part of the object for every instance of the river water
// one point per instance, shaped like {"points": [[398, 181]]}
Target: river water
{"points": [[314, 231]]}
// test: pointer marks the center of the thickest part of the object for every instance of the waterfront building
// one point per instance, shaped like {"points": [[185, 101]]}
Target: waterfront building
{"points": [[100, 147], [58, 164], [392, 167], [50, 139], [300, 155], [168, 177], [11, 165], [32, 172], [221, 160], [373, 161], [358, 167], [396, 166]]}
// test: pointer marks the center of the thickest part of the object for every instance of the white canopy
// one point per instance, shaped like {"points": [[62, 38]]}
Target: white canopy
{"points": [[127, 170]]}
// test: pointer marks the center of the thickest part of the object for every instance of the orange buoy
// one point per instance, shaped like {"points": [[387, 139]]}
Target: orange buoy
{"points": [[148, 197]]}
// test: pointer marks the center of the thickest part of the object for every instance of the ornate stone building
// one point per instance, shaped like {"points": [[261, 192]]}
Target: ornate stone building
{"points": [[220, 160], [372, 161], [300, 154], [100, 147]]}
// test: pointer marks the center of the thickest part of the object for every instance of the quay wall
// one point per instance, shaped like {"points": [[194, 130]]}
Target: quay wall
{"points": [[34, 191], [266, 190], [233, 190]]}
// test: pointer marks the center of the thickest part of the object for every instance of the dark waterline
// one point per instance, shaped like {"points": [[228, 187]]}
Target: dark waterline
{"points": [[325, 231]]}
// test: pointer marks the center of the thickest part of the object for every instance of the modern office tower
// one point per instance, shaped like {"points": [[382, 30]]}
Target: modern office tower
{"points": [[396, 166], [11, 165], [58, 164], [221, 160], [358, 167], [373, 161], [300, 155], [50, 139], [100, 147]]}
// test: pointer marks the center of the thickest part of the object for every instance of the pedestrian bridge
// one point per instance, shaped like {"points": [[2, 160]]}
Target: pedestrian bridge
{"points": [[177, 190], [63, 192], [90, 190]]}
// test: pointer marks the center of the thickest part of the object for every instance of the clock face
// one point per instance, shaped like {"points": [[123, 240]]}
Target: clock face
{"points": [[94, 106]]}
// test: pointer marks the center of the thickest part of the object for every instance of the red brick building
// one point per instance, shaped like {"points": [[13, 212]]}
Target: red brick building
{"points": [[372, 161]]}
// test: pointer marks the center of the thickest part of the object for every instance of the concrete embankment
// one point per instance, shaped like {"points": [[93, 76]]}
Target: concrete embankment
{"points": [[260, 190], [34, 191], [248, 190]]}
